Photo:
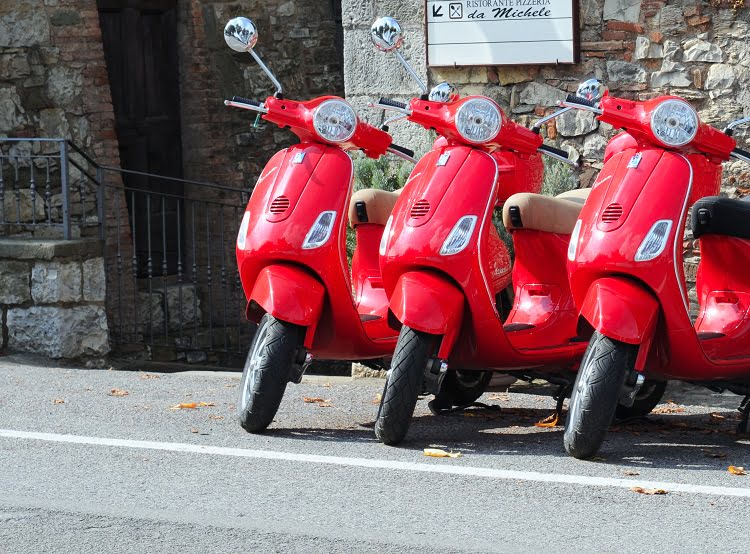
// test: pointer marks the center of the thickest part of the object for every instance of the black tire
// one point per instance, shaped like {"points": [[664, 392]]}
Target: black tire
{"points": [[646, 400], [596, 392], [461, 388], [267, 370], [404, 384]]}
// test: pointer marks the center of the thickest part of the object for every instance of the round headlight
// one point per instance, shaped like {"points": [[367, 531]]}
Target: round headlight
{"points": [[674, 122], [335, 121], [478, 120]]}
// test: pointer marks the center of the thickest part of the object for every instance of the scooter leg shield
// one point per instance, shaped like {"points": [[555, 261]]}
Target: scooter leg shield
{"points": [[288, 293], [621, 309], [428, 302]]}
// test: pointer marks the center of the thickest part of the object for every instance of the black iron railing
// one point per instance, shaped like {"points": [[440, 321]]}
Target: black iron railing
{"points": [[173, 289]]}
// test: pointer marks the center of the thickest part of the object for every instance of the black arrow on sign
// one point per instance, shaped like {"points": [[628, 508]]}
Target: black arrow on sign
{"points": [[437, 11]]}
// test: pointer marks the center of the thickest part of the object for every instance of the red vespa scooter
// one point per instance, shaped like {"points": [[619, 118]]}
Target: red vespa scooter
{"points": [[626, 268], [445, 268], [291, 250]]}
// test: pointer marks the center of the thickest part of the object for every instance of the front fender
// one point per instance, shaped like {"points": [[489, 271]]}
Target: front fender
{"points": [[286, 292], [621, 309], [428, 302]]}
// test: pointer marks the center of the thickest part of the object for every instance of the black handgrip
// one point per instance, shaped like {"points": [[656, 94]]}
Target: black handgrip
{"points": [[741, 152], [573, 99], [392, 103], [403, 150], [243, 100], [553, 150]]}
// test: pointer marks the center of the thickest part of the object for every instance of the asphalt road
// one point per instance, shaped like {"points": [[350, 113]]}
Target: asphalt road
{"points": [[88, 470]]}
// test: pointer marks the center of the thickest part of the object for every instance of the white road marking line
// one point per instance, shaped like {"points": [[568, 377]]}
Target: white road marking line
{"points": [[466, 471]]}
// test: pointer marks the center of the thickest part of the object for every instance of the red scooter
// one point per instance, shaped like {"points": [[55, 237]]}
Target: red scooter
{"points": [[291, 249], [626, 270], [446, 270]]}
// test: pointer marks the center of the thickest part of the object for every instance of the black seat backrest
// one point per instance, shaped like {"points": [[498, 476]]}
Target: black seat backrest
{"points": [[717, 215]]}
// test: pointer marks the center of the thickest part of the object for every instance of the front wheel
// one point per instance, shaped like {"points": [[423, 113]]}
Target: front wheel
{"points": [[596, 392], [461, 388], [649, 395], [404, 384], [267, 371]]}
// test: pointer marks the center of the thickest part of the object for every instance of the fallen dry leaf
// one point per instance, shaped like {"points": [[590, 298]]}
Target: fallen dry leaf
{"points": [[325, 405], [630, 472], [737, 470], [184, 406], [549, 421], [150, 376], [649, 492], [502, 397], [313, 399], [327, 385], [214, 416], [118, 392], [190, 405], [669, 408], [716, 417], [377, 399], [58, 401], [439, 453], [194, 430]]}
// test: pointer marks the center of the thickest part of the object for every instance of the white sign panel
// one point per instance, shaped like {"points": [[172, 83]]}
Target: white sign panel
{"points": [[500, 32]]}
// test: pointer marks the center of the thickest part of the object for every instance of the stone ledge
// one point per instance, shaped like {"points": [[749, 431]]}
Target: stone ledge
{"points": [[36, 249]]}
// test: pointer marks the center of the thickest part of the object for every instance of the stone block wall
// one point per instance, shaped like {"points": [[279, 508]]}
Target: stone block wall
{"points": [[52, 296]]}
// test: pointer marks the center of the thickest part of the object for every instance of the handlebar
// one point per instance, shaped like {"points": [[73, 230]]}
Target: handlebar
{"points": [[573, 99], [392, 103], [402, 152], [245, 104], [740, 154], [558, 154]]}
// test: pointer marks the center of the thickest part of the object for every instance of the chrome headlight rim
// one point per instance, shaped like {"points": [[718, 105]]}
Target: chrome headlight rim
{"points": [[665, 104], [468, 104], [327, 104]]}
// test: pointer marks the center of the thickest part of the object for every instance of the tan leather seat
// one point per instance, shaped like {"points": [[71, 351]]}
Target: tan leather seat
{"points": [[378, 203], [545, 213]]}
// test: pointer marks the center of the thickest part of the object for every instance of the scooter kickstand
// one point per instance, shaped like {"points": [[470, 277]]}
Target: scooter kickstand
{"points": [[744, 410], [562, 393]]}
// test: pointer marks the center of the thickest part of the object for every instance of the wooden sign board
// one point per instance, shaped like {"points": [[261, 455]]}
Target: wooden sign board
{"points": [[501, 32]]}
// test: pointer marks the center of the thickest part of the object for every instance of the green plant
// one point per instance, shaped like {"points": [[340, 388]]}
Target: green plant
{"points": [[558, 178], [385, 173]]}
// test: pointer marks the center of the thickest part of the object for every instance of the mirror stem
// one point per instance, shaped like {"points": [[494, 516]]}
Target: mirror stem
{"points": [[411, 71], [546, 118], [267, 71]]}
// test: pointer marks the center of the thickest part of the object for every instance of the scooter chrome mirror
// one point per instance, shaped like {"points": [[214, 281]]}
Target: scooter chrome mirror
{"points": [[241, 34], [385, 33], [729, 129], [443, 92], [591, 89]]}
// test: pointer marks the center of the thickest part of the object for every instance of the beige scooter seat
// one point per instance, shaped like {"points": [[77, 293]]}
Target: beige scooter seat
{"points": [[378, 205], [544, 213]]}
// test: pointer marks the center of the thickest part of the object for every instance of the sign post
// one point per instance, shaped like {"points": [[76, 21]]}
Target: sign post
{"points": [[501, 32]]}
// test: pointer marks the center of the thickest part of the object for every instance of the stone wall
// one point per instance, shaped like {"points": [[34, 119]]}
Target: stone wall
{"points": [[52, 297], [298, 42], [640, 49]]}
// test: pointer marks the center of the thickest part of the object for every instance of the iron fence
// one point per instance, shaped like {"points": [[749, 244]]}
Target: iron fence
{"points": [[173, 289]]}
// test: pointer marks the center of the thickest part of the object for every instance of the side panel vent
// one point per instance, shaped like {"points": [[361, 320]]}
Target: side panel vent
{"points": [[420, 209], [612, 213], [279, 205]]}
